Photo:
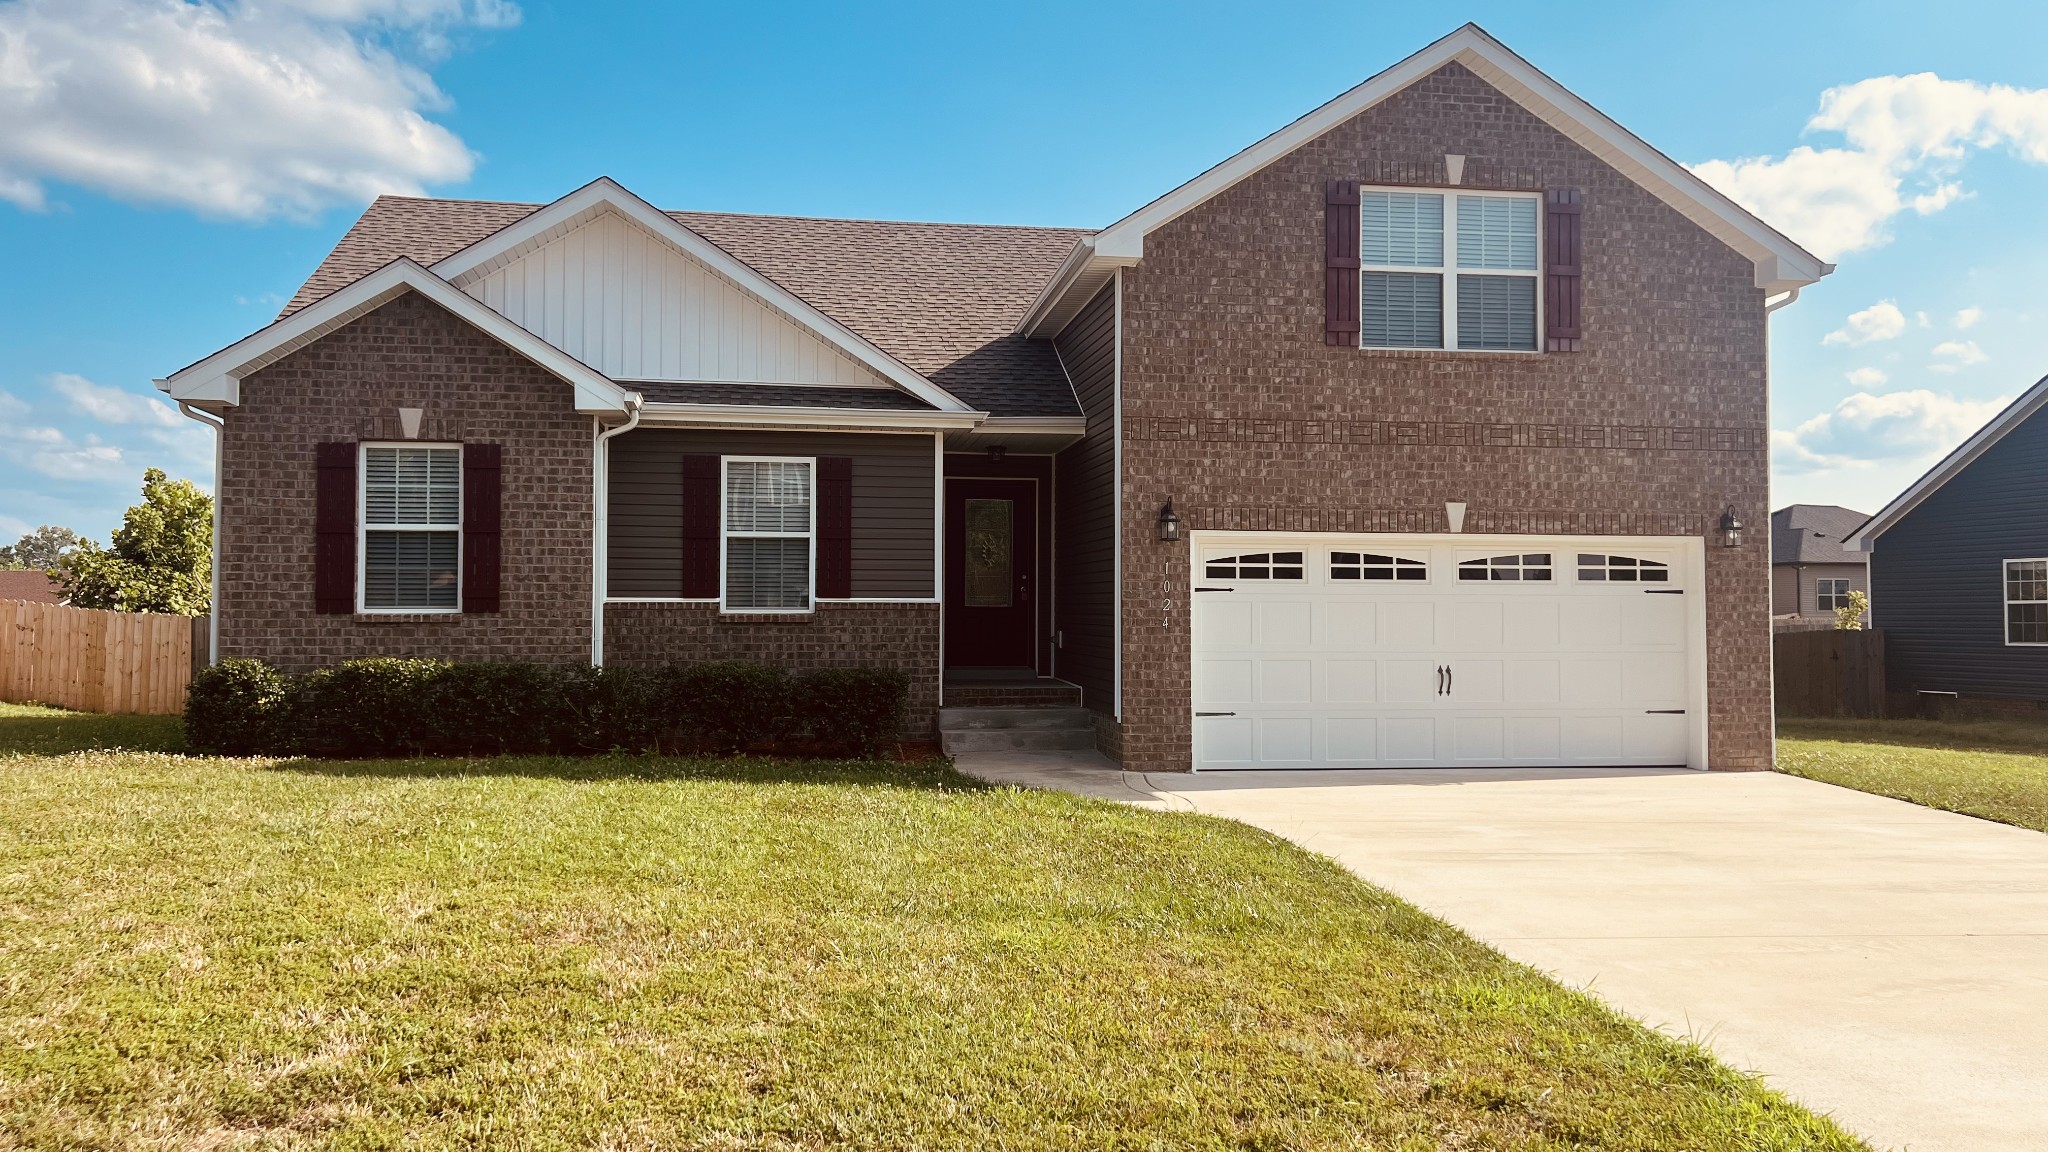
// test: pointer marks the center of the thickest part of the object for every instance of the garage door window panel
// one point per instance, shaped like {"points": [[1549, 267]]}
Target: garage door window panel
{"points": [[1601, 568], [1255, 566], [1376, 566], [1516, 567]]}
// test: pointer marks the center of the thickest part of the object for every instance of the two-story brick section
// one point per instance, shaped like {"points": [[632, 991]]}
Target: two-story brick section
{"points": [[1420, 433]]}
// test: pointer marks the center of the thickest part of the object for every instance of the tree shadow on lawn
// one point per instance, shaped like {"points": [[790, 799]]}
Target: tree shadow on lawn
{"points": [[2014, 735], [933, 775], [35, 730]]}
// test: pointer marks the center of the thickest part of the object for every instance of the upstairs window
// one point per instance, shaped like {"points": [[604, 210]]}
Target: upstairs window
{"points": [[1448, 270], [1518, 566], [768, 530], [412, 528], [1622, 569], [1370, 566], [1255, 566], [2026, 601]]}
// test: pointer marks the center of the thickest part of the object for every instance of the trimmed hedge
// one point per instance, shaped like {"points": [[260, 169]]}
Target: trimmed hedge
{"points": [[387, 707]]}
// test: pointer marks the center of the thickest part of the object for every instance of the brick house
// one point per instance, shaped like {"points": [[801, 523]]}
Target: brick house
{"points": [[1411, 435]]}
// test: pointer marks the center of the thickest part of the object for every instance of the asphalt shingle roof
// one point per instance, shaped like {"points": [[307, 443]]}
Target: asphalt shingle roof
{"points": [[942, 298], [1813, 534]]}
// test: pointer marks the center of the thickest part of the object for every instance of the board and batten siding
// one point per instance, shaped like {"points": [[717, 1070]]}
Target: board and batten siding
{"points": [[892, 506], [628, 304], [1937, 577], [1084, 527]]}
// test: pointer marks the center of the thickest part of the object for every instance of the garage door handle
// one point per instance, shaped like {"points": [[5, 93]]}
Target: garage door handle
{"points": [[1663, 591], [1663, 711], [1215, 589], [1215, 713]]}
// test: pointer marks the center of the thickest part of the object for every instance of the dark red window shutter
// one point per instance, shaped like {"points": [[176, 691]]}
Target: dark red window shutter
{"points": [[700, 527], [835, 527], [482, 520], [334, 528], [1561, 270], [1340, 262]]}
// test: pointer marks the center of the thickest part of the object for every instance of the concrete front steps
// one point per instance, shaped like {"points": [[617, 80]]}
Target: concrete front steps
{"points": [[1026, 729]]}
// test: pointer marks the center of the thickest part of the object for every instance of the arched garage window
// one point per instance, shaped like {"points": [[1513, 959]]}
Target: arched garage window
{"points": [[1515, 566], [1255, 566], [1622, 569], [1371, 566]]}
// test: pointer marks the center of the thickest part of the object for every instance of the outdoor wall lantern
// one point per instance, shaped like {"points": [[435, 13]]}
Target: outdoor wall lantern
{"points": [[1731, 529], [1169, 523]]}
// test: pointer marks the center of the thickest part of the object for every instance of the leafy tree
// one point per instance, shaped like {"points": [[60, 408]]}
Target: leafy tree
{"points": [[1849, 617], [162, 558], [45, 547]]}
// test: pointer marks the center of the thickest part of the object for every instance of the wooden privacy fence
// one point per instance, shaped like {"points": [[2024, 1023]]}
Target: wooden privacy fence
{"points": [[97, 661], [1832, 673]]}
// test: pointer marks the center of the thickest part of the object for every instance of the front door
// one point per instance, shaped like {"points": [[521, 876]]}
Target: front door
{"points": [[991, 552]]}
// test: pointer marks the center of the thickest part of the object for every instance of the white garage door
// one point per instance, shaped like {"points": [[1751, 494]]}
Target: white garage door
{"points": [[1443, 651]]}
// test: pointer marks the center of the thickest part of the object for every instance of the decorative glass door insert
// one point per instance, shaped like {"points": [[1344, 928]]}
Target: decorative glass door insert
{"points": [[990, 549]]}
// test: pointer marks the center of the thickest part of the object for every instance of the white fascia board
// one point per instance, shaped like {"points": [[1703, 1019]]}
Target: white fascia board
{"points": [[604, 193], [1864, 539], [657, 414], [218, 378], [1037, 425], [1780, 263]]}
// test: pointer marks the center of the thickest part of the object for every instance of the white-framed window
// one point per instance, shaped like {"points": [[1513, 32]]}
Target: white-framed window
{"points": [[1376, 566], [768, 553], [410, 534], [1450, 270], [1255, 566], [1596, 566], [1830, 593], [2026, 601], [1515, 566]]}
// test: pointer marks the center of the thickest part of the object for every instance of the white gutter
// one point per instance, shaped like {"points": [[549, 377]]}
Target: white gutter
{"points": [[600, 501], [659, 413], [1790, 295], [219, 427]]}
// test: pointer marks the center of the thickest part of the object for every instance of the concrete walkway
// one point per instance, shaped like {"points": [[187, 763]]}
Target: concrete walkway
{"points": [[1876, 960]]}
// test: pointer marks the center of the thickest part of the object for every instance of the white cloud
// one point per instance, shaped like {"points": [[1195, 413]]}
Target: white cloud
{"points": [[1865, 431], [239, 108], [1960, 353], [12, 407], [1906, 139], [113, 405], [1880, 321], [1968, 317], [1867, 377], [48, 451]]}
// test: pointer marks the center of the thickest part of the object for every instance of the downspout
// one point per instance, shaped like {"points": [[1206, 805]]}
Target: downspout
{"points": [[1787, 298], [219, 426], [600, 496]]}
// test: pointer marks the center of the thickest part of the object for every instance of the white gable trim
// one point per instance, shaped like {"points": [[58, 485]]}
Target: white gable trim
{"points": [[678, 415], [604, 194], [1781, 264], [1864, 539], [218, 378]]}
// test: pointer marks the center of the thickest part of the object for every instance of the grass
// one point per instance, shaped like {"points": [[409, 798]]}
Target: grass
{"points": [[1995, 769], [32, 728], [635, 953]]}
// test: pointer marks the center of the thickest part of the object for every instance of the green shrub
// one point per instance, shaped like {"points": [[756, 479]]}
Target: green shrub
{"points": [[496, 709], [601, 709], [238, 707], [852, 711], [730, 705], [380, 706]]}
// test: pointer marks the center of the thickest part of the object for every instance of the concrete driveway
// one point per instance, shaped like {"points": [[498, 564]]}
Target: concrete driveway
{"points": [[1876, 960]]}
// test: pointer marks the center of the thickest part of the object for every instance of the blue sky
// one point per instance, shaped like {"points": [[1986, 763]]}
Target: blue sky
{"points": [[170, 171]]}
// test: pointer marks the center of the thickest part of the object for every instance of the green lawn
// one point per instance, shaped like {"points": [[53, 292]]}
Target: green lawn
{"points": [[642, 953], [1994, 769]]}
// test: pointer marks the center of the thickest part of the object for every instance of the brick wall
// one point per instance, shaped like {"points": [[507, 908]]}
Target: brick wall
{"points": [[349, 386], [1236, 409], [903, 636]]}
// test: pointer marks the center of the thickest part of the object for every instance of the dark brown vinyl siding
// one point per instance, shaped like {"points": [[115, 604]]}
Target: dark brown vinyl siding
{"points": [[892, 505], [1084, 521]]}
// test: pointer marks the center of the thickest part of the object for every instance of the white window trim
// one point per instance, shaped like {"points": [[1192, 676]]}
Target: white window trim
{"points": [[2006, 602], [1448, 270], [724, 534], [363, 528]]}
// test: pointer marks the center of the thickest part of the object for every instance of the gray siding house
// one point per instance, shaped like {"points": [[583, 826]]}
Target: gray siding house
{"points": [[1812, 569]]}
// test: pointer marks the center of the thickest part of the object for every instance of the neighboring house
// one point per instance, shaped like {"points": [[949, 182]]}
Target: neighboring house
{"points": [[1404, 437], [1812, 570], [30, 584], [1959, 566]]}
